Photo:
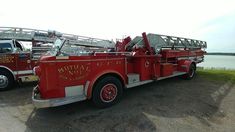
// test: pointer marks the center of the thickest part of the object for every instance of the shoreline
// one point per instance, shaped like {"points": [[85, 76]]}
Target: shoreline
{"points": [[215, 68], [218, 53]]}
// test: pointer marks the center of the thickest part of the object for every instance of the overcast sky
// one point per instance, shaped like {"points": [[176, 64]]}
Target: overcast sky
{"points": [[209, 20]]}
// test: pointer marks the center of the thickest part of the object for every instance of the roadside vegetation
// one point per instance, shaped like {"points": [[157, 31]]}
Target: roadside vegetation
{"points": [[218, 75]]}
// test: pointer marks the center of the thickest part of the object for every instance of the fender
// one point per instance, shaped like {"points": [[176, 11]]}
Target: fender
{"points": [[4, 67], [186, 63], [95, 79]]}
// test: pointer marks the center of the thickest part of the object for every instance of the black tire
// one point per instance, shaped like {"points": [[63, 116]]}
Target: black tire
{"points": [[101, 88], [191, 73], [6, 80]]}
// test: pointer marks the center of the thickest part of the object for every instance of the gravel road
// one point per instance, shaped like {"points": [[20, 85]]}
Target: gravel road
{"points": [[168, 105]]}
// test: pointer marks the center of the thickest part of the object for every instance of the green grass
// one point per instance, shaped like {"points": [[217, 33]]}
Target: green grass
{"points": [[217, 74]]}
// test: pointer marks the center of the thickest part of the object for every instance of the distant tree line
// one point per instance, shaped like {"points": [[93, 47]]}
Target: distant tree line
{"points": [[219, 53]]}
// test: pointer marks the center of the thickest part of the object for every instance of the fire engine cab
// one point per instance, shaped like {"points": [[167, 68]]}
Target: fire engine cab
{"points": [[14, 63], [72, 72]]}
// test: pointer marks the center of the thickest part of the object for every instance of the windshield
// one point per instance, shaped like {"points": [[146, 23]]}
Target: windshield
{"points": [[56, 47], [64, 48], [75, 48], [58, 43], [5, 48]]}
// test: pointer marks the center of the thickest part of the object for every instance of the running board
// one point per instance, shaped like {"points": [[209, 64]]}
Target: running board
{"points": [[173, 75], [138, 83], [149, 81]]}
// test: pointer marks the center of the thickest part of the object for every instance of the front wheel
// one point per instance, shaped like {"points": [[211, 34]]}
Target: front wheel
{"points": [[107, 92], [6, 80]]}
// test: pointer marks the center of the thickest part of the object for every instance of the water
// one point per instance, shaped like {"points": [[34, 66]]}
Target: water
{"points": [[218, 61]]}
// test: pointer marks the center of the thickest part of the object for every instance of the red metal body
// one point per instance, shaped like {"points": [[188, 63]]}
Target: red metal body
{"points": [[59, 73], [18, 63]]}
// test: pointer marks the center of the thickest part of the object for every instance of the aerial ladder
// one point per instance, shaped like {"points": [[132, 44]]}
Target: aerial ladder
{"points": [[169, 47], [158, 42], [41, 38]]}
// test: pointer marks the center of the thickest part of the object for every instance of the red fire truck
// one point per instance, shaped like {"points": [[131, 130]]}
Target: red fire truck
{"points": [[71, 73], [16, 64]]}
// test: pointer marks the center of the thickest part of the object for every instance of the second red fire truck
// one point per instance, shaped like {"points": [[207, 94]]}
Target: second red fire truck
{"points": [[16, 63], [71, 72]]}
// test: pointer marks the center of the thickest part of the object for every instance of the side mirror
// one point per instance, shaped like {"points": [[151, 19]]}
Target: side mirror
{"points": [[17, 50]]}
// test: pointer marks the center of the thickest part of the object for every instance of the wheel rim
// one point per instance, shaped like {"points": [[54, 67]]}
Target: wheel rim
{"points": [[108, 93], [3, 81], [191, 72]]}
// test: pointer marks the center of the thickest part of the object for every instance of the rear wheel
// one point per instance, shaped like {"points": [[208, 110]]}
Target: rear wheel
{"points": [[191, 72], [107, 92], [6, 80]]}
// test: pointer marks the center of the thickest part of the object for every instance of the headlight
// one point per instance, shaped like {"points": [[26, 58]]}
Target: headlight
{"points": [[37, 71], [34, 73]]}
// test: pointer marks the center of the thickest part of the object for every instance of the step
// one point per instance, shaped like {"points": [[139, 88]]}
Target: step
{"points": [[133, 78], [138, 83]]}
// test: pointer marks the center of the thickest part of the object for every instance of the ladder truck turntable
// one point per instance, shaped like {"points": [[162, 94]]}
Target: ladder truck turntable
{"points": [[16, 64], [67, 74]]}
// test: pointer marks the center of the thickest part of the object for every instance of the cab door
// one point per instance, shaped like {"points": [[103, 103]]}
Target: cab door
{"points": [[23, 63]]}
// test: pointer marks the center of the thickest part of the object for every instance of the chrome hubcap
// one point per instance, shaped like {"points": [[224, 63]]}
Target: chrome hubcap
{"points": [[3, 81], [192, 72], [108, 93]]}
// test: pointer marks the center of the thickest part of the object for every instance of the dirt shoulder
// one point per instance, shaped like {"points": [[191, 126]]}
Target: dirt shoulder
{"points": [[202, 104]]}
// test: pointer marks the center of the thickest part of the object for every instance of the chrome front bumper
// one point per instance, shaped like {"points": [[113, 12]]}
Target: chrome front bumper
{"points": [[43, 103]]}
